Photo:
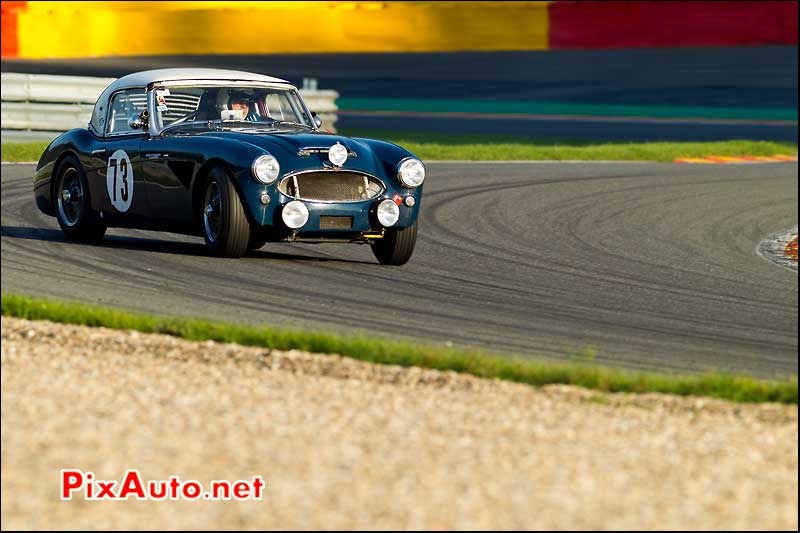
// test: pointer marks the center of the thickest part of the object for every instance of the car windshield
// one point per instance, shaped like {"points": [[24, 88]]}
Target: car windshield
{"points": [[241, 107]]}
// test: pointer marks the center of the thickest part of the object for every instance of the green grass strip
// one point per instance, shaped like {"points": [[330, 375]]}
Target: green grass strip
{"points": [[440, 105], [13, 152], [382, 351], [445, 146]]}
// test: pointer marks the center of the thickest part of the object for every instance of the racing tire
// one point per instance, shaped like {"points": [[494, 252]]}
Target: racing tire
{"points": [[72, 204], [224, 223], [396, 246]]}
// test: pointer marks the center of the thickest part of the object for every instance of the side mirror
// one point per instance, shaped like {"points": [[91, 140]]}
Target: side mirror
{"points": [[138, 121], [317, 120]]}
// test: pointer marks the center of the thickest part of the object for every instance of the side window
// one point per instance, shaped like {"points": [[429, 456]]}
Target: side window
{"points": [[123, 105], [180, 104]]}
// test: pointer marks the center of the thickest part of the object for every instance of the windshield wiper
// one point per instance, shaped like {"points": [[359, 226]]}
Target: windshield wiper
{"points": [[288, 123], [187, 125], [220, 125], [216, 125]]}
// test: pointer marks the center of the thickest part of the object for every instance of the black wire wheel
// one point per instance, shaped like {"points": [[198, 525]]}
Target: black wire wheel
{"points": [[212, 212], [73, 208], [396, 246], [225, 226], [70, 198]]}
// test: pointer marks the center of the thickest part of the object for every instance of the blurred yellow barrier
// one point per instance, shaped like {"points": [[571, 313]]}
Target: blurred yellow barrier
{"points": [[88, 29]]}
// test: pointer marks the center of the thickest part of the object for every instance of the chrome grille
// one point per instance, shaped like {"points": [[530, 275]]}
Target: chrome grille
{"points": [[331, 186]]}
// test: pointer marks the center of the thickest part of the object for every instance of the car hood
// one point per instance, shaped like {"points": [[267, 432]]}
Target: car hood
{"points": [[371, 156], [283, 144]]}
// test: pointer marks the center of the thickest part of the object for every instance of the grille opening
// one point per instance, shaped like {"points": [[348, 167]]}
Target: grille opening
{"points": [[331, 186]]}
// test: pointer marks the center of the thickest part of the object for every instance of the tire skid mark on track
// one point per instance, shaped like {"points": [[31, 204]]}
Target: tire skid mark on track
{"points": [[549, 264], [587, 244]]}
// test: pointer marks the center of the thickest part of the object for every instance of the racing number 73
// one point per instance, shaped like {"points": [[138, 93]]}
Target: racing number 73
{"points": [[121, 170]]}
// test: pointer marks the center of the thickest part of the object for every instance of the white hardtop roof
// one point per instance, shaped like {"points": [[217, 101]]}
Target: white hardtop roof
{"points": [[144, 78]]}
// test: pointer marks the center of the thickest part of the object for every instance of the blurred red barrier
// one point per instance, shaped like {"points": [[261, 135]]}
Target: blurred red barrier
{"points": [[615, 24]]}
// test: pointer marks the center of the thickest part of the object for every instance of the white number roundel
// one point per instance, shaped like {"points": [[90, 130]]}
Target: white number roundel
{"points": [[119, 181]]}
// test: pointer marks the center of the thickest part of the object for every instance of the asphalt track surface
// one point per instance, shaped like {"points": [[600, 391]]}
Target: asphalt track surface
{"points": [[653, 266], [736, 77]]}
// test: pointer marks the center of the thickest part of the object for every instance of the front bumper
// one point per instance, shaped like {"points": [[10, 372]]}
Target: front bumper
{"points": [[364, 218], [363, 213]]}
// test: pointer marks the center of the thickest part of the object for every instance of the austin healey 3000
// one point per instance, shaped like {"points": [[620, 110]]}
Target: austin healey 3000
{"points": [[235, 157]]}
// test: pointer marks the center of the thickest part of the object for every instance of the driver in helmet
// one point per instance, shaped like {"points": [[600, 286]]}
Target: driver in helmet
{"points": [[239, 101]]}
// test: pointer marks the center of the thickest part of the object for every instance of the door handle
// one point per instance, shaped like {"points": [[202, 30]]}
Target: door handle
{"points": [[99, 151]]}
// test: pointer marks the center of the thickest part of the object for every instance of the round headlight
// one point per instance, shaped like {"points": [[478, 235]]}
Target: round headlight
{"points": [[388, 213], [337, 154], [295, 214], [411, 172], [266, 168]]}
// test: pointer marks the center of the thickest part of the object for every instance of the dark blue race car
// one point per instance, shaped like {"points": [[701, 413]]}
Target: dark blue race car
{"points": [[235, 157]]}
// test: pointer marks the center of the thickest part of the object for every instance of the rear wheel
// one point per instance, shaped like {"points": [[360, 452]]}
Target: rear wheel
{"points": [[396, 246], [73, 208], [225, 226]]}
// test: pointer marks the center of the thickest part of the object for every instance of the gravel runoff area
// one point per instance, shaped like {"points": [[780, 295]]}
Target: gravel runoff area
{"points": [[347, 444]]}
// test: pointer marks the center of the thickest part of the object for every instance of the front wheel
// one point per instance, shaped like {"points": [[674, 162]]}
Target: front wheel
{"points": [[73, 208], [225, 226], [396, 246]]}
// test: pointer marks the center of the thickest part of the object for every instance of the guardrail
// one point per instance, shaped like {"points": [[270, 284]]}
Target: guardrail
{"points": [[37, 102]]}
